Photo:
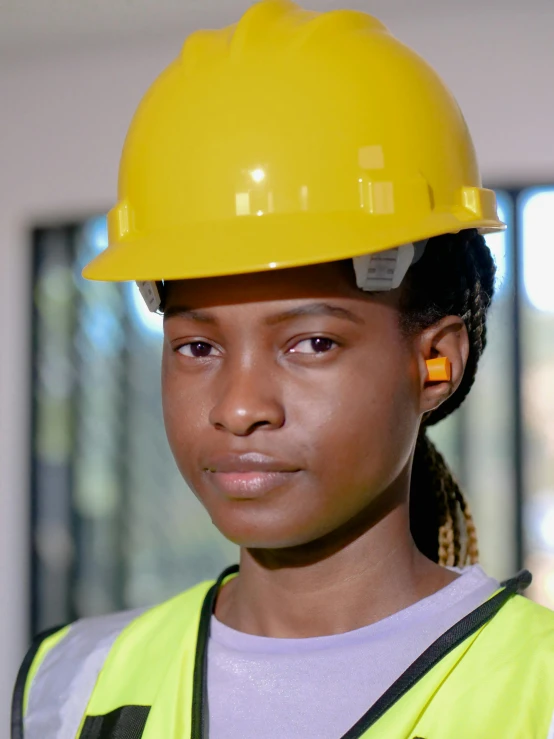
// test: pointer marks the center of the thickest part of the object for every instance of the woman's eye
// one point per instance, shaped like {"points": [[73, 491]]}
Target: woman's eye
{"points": [[197, 350], [317, 345]]}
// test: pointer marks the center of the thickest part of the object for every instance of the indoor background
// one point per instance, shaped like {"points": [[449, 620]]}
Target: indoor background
{"points": [[93, 515]]}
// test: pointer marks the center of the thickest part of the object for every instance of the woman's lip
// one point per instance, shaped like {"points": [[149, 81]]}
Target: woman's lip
{"points": [[247, 462], [251, 484]]}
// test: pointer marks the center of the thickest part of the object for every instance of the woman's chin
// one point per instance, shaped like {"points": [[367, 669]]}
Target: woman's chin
{"points": [[259, 532]]}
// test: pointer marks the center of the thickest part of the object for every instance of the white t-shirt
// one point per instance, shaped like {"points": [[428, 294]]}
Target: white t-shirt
{"points": [[317, 688]]}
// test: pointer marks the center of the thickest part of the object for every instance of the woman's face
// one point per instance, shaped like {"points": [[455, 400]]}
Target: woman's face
{"points": [[291, 400]]}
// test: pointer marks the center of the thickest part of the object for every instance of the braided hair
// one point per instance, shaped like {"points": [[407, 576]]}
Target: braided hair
{"points": [[455, 276]]}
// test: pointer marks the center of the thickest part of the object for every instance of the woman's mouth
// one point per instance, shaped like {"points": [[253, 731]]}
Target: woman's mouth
{"points": [[249, 475]]}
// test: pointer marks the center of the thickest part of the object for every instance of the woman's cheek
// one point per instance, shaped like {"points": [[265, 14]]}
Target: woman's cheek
{"points": [[378, 423], [183, 409]]}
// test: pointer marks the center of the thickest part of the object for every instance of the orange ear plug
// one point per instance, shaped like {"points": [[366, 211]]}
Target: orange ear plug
{"points": [[439, 369]]}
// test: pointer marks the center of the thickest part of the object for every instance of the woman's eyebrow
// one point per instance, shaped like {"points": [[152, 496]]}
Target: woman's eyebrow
{"points": [[314, 309], [192, 315]]}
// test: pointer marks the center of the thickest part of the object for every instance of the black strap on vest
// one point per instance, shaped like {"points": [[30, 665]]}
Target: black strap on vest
{"points": [[437, 651], [200, 717], [21, 681], [127, 722]]}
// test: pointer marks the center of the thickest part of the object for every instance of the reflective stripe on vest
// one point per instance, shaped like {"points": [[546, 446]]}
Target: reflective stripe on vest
{"points": [[66, 678], [497, 683]]}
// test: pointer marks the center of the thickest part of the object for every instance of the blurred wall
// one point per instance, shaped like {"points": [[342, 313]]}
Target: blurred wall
{"points": [[63, 119]]}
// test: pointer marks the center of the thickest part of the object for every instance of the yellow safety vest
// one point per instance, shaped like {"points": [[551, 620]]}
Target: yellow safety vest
{"points": [[143, 675]]}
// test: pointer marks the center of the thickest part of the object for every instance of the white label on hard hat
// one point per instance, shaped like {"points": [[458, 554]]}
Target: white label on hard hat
{"points": [[384, 270], [151, 295]]}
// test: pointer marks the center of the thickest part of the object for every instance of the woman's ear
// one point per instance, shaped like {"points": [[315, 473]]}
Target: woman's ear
{"points": [[448, 338]]}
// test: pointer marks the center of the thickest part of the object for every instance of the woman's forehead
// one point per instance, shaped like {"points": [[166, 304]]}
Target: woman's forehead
{"points": [[319, 281], [275, 297]]}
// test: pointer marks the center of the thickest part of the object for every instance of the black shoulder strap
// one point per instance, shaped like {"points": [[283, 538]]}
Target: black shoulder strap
{"points": [[199, 716], [437, 651], [21, 681], [127, 722]]}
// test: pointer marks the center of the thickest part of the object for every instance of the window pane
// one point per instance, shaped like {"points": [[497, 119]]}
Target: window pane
{"points": [[52, 435], [490, 418], [536, 208]]}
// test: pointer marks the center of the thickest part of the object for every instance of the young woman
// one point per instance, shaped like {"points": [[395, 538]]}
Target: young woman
{"points": [[299, 195]]}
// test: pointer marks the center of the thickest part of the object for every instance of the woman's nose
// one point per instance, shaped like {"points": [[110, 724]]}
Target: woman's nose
{"points": [[248, 399]]}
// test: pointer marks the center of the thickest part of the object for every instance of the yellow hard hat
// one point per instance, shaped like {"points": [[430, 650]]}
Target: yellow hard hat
{"points": [[289, 139]]}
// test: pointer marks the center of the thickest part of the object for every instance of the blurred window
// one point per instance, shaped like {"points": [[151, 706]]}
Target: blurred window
{"points": [[536, 208]]}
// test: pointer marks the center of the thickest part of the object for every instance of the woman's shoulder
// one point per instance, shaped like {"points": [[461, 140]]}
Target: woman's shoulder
{"points": [[67, 660], [522, 630], [520, 607], [93, 637], [101, 630], [528, 619]]}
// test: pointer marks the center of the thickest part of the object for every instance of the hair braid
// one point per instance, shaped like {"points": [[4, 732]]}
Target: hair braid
{"points": [[454, 277]]}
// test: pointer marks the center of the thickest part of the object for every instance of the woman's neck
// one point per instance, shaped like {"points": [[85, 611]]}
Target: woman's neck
{"points": [[292, 593]]}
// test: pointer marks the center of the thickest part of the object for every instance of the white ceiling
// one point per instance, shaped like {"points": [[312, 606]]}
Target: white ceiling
{"points": [[31, 26]]}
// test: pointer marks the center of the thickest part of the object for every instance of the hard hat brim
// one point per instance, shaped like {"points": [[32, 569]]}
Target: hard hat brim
{"points": [[256, 244]]}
